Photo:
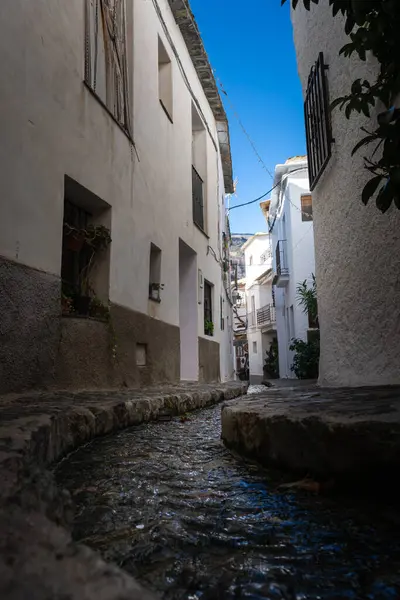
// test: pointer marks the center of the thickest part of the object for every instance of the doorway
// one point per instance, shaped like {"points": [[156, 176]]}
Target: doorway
{"points": [[188, 313]]}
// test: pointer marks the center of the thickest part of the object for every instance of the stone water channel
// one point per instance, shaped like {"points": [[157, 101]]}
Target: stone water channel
{"points": [[169, 504]]}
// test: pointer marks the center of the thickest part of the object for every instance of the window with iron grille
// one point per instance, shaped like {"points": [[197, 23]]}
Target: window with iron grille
{"points": [[317, 121], [306, 207], [265, 256], [106, 57], [75, 256], [208, 316], [197, 199]]}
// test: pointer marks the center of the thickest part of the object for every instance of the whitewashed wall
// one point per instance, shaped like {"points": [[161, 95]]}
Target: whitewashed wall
{"points": [[357, 248], [52, 126], [299, 236]]}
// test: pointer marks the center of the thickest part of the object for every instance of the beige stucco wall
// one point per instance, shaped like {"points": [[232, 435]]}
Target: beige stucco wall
{"points": [[52, 126], [357, 248]]}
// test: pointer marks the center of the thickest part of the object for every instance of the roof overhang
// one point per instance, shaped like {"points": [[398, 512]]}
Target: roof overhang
{"points": [[190, 32]]}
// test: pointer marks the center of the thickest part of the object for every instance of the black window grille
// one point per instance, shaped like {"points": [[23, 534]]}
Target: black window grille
{"points": [[74, 260], [317, 121], [208, 317], [221, 308], [197, 199], [281, 258]]}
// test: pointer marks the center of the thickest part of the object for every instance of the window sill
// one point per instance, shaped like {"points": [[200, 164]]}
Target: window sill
{"points": [[157, 301], [85, 317], [166, 111], [100, 101], [201, 229]]}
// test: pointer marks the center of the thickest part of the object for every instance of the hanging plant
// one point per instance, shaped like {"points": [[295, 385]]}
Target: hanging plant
{"points": [[208, 327], [373, 26]]}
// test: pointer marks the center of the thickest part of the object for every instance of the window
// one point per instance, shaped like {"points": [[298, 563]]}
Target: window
{"points": [[317, 122], [165, 94], [75, 255], [252, 316], [251, 261], [208, 316], [306, 208], [265, 256], [199, 169], [239, 299], [141, 355], [85, 257], [221, 308], [106, 57], [254, 347], [197, 199], [155, 284]]}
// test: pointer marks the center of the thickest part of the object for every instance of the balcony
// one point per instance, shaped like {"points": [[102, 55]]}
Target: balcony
{"points": [[266, 318], [281, 278], [197, 199]]}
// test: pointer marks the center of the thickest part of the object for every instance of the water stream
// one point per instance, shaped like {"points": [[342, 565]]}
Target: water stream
{"points": [[168, 503]]}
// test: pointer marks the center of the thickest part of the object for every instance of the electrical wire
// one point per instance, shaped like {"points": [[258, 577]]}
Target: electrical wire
{"points": [[254, 201], [269, 192], [234, 111]]}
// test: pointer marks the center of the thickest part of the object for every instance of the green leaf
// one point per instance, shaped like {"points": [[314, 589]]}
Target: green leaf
{"points": [[356, 88], [365, 109], [350, 23], [385, 197], [364, 142], [370, 188], [347, 49], [338, 101]]}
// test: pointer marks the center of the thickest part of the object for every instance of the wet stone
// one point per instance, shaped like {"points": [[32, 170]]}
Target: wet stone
{"points": [[351, 436], [173, 507], [38, 559]]}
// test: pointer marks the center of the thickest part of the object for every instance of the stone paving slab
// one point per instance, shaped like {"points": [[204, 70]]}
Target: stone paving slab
{"points": [[350, 435], [38, 559]]}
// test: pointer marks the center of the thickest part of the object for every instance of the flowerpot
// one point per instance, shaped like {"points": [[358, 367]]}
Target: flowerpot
{"points": [[74, 242], [82, 305]]}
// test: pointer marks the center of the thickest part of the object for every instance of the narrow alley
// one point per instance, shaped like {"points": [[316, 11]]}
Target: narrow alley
{"points": [[169, 504], [199, 300]]}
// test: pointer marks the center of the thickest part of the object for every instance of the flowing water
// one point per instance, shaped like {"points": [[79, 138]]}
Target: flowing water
{"points": [[168, 503]]}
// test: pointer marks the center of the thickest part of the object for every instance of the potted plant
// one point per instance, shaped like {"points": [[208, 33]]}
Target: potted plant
{"points": [[99, 310], [73, 238], [154, 291], [271, 365], [67, 304], [208, 327], [97, 239]]}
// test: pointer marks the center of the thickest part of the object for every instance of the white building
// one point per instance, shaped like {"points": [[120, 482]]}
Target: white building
{"points": [[357, 247], [110, 115], [259, 301], [290, 220]]}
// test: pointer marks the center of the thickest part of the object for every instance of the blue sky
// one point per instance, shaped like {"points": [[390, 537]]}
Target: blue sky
{"points": [[250, 45]]}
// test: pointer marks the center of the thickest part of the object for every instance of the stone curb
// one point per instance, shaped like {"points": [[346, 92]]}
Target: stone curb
{"points": [[348, 449], [38, 559]]}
